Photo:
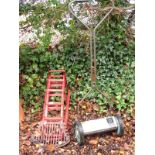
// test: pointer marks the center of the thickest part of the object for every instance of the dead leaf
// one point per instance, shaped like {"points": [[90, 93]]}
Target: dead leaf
{"points": [[41, 150], [37, 145], [27, 143], [96, 107], [37, 133], [127, 124], [23, 126], [34, 124], [113, 152], [122, 152], [24, 138], [94, 141], [50, 148], [126, 146], [84, 107]]}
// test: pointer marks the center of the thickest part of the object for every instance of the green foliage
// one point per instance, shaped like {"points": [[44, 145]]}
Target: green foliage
{"points": [[115, 61]]}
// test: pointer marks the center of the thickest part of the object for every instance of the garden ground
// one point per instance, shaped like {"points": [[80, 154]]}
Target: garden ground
{"points": [[103, 144]]}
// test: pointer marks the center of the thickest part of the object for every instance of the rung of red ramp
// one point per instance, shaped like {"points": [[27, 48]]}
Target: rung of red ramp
{"points": [[57, 76], [54, 108], [53, 118], [54, 95], [55, 103], [56, 80], [55, 90], [56, 87], [52, 71]]}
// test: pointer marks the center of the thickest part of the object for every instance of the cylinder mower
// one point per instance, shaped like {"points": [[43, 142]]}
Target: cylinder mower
{"points": [[101, 125], [88, 15], [53, 127]]}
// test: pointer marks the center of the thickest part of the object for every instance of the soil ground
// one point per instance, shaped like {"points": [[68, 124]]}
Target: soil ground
{"points": [[103, 144]]}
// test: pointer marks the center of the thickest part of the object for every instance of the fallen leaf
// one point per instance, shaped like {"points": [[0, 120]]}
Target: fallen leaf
{"points": [[50, 148], [122, 152], [27, 143], [113, 152], [41, 150], [96, 107], [84, 107], [94, 141], [37, 133], [61, 150], [24, 138], [126, 146], [34, 124], [37, 145]]}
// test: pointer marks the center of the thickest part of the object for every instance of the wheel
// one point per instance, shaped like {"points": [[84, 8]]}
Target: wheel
{"points": [[120, 129], [78, 132]]}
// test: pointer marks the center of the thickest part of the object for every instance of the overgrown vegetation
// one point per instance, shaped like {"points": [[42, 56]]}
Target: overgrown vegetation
{"points": [[115, 59]]}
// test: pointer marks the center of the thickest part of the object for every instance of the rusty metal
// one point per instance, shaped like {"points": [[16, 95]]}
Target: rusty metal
{"points": [[92, 30]]}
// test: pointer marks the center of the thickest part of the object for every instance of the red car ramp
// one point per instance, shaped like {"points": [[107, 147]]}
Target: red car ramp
{"points": [[53, 127]]}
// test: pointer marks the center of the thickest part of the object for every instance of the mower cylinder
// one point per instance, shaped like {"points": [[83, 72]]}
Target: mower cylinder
{"points": [[102, 125]]}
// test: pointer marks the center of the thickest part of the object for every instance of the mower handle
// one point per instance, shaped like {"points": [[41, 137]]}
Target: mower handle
{"points": [[81, 1], [71, 10]]}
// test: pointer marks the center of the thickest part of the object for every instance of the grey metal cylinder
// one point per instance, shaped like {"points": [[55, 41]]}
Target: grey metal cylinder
{"points": [[101, 125]]}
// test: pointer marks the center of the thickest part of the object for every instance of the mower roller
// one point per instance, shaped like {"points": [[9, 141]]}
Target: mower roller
{"points": [[97, 126]]}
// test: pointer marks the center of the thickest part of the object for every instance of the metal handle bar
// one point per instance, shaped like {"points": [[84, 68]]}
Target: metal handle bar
{"points": [[71, 10], [81, 1], [92, 45]]}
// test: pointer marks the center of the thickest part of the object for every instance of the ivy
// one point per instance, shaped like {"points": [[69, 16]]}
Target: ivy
{"points": [[115, 61]]}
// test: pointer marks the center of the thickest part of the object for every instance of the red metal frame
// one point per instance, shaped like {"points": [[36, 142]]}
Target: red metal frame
{"points": [[53, 127], [56, 86]]}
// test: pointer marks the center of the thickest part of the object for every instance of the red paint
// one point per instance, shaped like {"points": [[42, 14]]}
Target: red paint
{"points": [[56, 87]]}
